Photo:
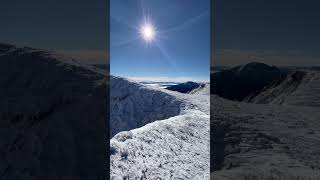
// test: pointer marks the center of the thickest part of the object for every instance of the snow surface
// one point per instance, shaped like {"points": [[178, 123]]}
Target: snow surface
{"points": [[176, 147]]}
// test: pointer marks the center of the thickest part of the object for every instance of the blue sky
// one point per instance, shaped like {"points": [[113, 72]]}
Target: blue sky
{"points": [[182, 41]]}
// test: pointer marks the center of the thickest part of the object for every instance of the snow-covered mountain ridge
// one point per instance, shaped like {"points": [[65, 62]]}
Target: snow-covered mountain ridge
{"points": [[52, 113], [134, 105], [176, 146], [299, 88]]}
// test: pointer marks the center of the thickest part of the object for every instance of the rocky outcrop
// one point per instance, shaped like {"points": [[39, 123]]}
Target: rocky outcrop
{"points": [[53, 115]]}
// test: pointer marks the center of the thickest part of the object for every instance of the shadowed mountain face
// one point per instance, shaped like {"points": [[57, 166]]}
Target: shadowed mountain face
{"points": [[185, 87], [53, 114], [105, 67], [241, 81]]}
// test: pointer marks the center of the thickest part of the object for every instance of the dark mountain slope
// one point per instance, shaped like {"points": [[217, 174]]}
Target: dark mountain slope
{"points": [[239, 82], [185, 87], [53, 114]]}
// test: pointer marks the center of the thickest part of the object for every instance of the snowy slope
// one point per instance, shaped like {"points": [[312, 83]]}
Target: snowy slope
{"points": [[202, 90], [52, 115], [167, 148], [279, 139], [299, 88], [308, 93], [260, 140], [134, 105]]}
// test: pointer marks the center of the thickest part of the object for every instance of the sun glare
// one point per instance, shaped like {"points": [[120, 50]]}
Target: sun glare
{"points": [[148, 32]]}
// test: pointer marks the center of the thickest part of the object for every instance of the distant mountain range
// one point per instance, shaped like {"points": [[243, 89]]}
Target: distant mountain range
{"points": [[185, 87]]}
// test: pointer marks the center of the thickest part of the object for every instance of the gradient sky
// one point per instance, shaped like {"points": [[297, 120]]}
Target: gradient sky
{"points": [[74, 27], [182, 48], [280, 32]]}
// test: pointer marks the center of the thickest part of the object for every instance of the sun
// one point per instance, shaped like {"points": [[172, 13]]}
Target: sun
{"points": [[148, 32]]}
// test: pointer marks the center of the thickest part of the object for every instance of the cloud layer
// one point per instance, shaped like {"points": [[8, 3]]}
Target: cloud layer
{"points": [[168, 79]]}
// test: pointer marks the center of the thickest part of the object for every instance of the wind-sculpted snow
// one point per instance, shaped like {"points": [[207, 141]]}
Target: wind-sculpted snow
{"points": [[169, 148], [134, 105], [174, 148]]}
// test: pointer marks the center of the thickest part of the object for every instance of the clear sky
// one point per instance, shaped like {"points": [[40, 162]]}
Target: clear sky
{"points": [[74, 27], [180, 47], [280, 32]]}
